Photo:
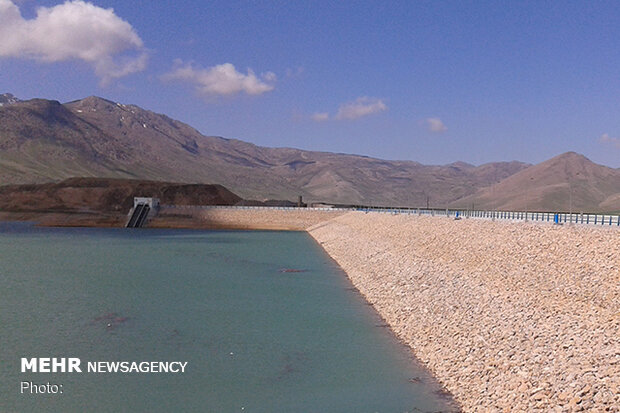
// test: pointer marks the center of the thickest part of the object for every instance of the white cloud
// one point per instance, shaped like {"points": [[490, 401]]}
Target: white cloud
{"points": [[320, 116], [362, 106], [222, 79], [74, 30], [435, 125], [606, 139]]}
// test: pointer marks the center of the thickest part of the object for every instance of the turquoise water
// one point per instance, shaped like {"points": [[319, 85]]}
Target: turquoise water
{"points": [[256, 338]]}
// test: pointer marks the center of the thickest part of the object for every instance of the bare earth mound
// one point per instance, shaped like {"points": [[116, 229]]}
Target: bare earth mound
{"points": [[509, 316], [100, 201]]}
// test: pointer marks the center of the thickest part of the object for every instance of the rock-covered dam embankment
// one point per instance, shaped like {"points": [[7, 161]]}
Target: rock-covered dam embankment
{"points": [[508, 316]]}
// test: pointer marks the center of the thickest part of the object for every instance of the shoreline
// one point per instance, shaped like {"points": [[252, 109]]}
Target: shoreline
{"points": [[427, 376]]}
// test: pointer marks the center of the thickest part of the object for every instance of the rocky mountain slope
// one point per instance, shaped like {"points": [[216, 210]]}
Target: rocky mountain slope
{"points": [[44, 141], [8, 99], [568, 182]]}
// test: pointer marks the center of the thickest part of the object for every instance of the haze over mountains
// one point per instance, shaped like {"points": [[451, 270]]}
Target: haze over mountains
{"points": [[44, 141]]}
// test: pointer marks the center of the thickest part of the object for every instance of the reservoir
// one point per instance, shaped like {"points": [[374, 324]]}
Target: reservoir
{"points": [[265, 322]]}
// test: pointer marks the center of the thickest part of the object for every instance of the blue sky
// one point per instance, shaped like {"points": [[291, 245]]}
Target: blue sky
{"points": [[434, 82]]}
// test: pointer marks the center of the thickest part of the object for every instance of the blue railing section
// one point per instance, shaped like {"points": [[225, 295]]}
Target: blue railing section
{"points": [[550, 217]]}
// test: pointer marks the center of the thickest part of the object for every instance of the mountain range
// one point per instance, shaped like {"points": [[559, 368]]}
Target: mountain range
{"points": [[569, 182], [46, 141]]}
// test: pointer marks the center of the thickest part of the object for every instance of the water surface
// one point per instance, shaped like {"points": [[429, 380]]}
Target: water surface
{"points": [[257, 336]]}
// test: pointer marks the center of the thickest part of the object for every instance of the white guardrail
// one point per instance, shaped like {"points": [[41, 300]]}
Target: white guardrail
{"points": [[551, 217], [554, 217], [270, 208]]}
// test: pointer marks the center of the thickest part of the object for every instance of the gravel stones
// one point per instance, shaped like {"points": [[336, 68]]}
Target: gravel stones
{"points": [[509, 316]]}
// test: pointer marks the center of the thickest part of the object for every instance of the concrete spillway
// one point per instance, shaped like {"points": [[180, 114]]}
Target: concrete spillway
{"points": [[143, 209], [139, 215]]}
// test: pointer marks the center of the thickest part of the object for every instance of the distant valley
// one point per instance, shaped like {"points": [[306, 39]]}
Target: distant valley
{"points": [[46, 141]]}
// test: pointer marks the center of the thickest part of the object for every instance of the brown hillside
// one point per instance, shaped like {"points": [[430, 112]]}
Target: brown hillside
{"points": [[568, 182]]}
